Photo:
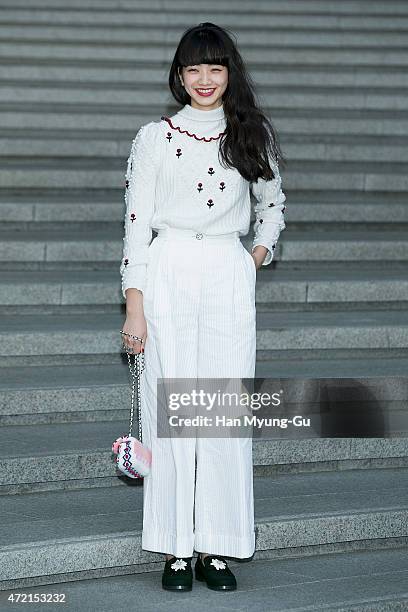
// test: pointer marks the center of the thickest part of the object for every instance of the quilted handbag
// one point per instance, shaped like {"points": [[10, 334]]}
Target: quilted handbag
{"points": [[132, 457]]}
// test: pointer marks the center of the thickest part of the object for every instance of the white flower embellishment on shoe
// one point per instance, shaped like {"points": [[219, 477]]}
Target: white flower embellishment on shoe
{"points": [[218, 564], [179, 564]]}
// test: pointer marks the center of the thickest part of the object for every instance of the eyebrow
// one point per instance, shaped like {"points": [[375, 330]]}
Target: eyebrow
{"points": [[193, 65]]}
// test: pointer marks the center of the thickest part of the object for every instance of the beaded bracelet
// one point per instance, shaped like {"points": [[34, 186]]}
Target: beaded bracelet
{"points": [[131, 336]]}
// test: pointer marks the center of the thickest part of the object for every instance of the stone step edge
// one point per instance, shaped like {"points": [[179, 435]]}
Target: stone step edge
{"points": [[269, 533], [334, 234], [264, 356], [307, 8], [60, 467], [114, 137], [259, 471], [85, 380], [317, 275], [279, 112], [374, 544], [261, 10]]}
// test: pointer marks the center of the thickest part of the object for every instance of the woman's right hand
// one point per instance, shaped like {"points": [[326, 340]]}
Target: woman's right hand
{"points": [[136, 326]]}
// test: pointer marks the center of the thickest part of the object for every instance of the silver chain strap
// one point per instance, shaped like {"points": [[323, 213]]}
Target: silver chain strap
{"points": [[138, 367]]}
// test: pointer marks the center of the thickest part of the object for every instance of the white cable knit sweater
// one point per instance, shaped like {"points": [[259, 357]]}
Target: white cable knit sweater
{"points": [[174, 179]]}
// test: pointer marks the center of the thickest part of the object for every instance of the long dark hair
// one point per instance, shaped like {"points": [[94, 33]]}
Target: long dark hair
{"points": [[250, 139]]}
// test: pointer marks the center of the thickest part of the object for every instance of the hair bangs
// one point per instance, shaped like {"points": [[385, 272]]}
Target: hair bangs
{"points": [[203, 47]]}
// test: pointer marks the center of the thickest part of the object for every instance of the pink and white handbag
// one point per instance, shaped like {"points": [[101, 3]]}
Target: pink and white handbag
{"points": [[132, 457]]}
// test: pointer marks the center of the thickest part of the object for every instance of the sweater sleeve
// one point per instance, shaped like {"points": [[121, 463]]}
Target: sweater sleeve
{"points": [[140, 188], [269, 209]]}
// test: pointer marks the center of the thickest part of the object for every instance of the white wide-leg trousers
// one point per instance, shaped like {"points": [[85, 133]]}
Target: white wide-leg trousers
{"points": [[199, 306]]}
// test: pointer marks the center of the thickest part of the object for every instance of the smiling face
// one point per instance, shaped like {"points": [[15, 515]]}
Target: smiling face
{"points": [[205, 83]]}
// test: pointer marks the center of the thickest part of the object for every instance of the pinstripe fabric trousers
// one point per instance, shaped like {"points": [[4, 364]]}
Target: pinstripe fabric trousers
{"points": [[199, 306]]}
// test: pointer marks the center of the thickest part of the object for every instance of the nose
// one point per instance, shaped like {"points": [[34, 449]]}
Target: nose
{"points": [[204, 78]]}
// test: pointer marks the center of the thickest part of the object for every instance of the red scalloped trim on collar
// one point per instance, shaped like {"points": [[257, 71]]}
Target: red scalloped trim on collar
{"points": [[175, 127]]}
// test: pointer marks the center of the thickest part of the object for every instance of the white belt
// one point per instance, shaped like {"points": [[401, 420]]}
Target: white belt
{"points": [[190, 234]]}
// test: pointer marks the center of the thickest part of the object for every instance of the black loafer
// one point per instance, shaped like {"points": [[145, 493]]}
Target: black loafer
{"points": [[177, 574], [214, 570]]}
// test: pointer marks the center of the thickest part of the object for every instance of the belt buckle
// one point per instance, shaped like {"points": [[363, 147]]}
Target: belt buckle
{"points": [[199, 236]]}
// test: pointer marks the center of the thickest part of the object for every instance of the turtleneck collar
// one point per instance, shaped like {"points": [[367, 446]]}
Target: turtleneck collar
{"points": [[196, 114]]}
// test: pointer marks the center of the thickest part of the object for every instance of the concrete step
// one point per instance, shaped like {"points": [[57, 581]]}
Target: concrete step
{"points": [[324, 286], [331, 7], [254, 30], [257, 31], [52, 206], [62, 532], [111, 266], [76, 172], [327, 205], [289, 330], [327, 364], [351, 229], [75, 334], [137, 19], [64, 394], [105, 245], [74, 394], [361, 246], [73, 206], [291, 121], [346, 363], [78, 454], [359, 581], [44, 144], [53, 74], [383, 359], [295, 97], [103, 56], [371, 287]]}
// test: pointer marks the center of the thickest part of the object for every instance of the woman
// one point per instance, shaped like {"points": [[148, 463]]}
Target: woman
{"points": [[190, 294]]}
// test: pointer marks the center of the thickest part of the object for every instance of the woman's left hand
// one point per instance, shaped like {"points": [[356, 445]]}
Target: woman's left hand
{"points": [[258, 255]]}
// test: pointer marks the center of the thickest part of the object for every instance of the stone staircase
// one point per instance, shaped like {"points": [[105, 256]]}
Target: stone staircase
{"points": [[75, 85]]}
